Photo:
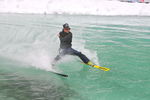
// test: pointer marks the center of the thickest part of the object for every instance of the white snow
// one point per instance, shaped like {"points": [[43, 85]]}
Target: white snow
{"points": [[81, 7]]}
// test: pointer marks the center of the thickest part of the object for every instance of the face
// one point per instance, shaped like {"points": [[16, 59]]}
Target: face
{"points": [[66, 30]]}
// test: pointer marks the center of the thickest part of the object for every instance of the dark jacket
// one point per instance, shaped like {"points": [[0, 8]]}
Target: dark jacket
{"points": [[65, 39]]}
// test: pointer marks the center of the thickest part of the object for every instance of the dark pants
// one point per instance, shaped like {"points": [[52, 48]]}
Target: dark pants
{"points": [[71, 51]]}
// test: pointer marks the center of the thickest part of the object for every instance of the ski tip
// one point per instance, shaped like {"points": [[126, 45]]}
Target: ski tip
{"points": [[102, 68], [60, 74], [65, 75]]}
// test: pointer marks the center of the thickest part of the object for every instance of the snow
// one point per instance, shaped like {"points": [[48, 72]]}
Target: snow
{"points": [[79, 7]]}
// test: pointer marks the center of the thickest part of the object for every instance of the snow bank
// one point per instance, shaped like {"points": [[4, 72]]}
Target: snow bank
{"points": [[81, 7]]}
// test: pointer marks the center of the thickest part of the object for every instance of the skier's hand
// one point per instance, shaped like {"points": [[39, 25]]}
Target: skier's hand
{"points": [[58, 35]]}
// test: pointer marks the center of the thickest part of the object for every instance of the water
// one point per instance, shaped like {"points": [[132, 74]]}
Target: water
{"points": [[29, 43]]}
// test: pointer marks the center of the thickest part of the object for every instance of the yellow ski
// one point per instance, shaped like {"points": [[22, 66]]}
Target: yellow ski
{"points": [[102, 68], [98, 67]]}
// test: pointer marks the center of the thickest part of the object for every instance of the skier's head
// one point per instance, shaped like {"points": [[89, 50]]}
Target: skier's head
{"points": [[66, 27]]}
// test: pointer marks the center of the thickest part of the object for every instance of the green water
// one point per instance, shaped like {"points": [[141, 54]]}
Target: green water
{"points": [[29, 42]]}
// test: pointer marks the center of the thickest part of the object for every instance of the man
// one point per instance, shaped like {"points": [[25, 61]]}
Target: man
{"points": [[65, 37]]}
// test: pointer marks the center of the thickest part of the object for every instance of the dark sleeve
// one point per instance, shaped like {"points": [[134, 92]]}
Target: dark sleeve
{"points": [[66, 38]]}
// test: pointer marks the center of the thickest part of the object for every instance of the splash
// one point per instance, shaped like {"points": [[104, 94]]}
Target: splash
{"points": [[35, 44]]}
